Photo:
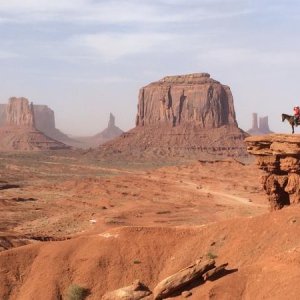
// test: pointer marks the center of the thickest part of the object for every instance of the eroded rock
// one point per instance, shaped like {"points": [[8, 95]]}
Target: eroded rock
{"points": [[175, 282], [279, 156], [19, 113], [182, 116], [136, 291]]}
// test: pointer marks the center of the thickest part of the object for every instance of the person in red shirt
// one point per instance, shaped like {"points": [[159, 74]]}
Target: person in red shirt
{"points": [[296, 114]]}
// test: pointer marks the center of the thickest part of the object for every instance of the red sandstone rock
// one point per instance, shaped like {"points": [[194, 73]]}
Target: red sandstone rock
{"points": [[19, 113], [261, 128], [182, 116], [279, 156], [188, 99], [20, 133], [109, 133]]}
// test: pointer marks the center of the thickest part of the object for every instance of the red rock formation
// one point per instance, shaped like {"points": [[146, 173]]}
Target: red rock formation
{"points": [[189, 99], [108, 134], [2, 114], [20, 113], [187, 116], [262, 128], [279, 156], [20, 132]]}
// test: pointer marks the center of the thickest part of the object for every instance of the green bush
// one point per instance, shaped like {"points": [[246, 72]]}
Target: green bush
{"points": [[76, 292], [211, 255]]}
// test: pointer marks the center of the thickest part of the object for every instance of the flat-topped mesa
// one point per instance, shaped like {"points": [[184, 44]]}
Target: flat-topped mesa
{"points": [[44, 118], [193, 99], [279, 156], [19, 113]]}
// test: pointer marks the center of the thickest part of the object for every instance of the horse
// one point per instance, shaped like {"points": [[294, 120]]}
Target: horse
{"points": [[291, 120]]}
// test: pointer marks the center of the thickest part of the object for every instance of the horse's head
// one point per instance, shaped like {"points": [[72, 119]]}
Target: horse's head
{"points": [[283, 117]]}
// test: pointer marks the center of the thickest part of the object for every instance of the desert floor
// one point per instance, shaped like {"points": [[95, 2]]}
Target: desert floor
{"points": [[62, 195], [67, 217]]}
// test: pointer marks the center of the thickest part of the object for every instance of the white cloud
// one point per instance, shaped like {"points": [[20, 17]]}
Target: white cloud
{"points": [[7, 55], [117, 11], [111, 47], [234, 56]]}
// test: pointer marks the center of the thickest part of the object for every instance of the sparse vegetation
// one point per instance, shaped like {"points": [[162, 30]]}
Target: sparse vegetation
{"points": [[211, 255], [76, 292], [137, 262]]}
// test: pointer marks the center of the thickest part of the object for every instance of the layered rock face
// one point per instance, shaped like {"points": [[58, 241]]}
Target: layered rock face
{"points": [[188, 99], [19, 131], [20, 113], [261, 128], [44, 118], [185, 116], [279, 156], [3, 114], [45, 122]]}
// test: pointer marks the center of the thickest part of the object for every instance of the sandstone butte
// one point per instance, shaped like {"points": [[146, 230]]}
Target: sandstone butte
{"points": [[279, 156], [109, 133], [182, 116], [44, 119], [19, 131]]}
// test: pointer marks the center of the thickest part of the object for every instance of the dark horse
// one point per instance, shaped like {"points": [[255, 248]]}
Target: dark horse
{"points": [[291, 120]]}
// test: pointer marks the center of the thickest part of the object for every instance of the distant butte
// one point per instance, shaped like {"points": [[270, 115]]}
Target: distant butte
{"points": [[259, 127], [109, 133], [19, 131], [182, 116]]}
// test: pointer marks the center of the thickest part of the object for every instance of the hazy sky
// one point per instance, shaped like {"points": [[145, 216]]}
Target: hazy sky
{"points": [[86, 58]]}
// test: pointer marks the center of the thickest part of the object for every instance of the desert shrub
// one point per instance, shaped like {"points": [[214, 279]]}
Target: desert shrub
{"points": [[76, 292], [211, 255]]}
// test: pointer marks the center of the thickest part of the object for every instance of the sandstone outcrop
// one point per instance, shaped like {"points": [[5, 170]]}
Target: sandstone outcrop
{"points": [[135, 291], [279, 156], [20, 133], [189, 99], [261, 128], [44, 119], [175, 282], [182, 116], [19, 113], [2, 114]]}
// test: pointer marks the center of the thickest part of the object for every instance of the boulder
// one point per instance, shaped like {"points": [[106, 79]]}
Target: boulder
{"points": [[135, 291], [177, 281]]}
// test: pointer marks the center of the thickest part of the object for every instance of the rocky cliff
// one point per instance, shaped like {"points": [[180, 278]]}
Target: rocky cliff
{"points": [[44, 118], [279, 156], [3, 114], [182, 116], [188, 99], [45, 122], [19, 131], [19, 113]]}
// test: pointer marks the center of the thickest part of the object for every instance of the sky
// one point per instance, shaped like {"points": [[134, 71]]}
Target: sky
{"points": [[87, 58]]}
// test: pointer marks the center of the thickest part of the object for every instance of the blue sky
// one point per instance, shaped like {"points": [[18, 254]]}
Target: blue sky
{"points": [[86, 58]]}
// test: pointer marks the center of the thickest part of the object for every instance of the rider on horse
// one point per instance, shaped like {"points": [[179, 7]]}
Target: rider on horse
{"points": [[296, 114]]}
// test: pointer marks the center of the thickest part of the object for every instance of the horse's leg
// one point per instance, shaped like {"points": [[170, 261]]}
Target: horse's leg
{"points": [[293, 129]]}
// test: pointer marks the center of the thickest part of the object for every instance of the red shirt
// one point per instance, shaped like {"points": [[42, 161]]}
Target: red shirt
{"points": [[296, 111]]}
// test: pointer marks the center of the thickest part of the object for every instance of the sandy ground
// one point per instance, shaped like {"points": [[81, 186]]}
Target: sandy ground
{"points": [[103, 225], [63, 196]]}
